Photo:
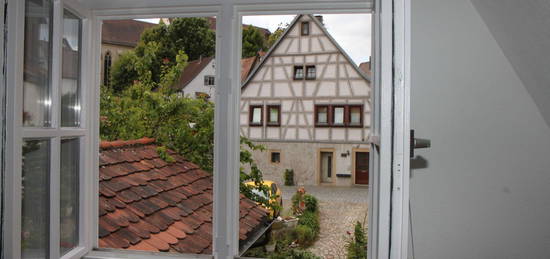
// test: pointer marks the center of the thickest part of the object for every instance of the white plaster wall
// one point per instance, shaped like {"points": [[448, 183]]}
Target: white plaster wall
{"points": [[482, 190], [336, 84], [197, 84]]}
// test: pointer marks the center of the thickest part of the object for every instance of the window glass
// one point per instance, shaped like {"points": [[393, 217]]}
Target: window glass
{"points": [[298, 72], [311, 72], [37, 64], [322, 115], [209, 80], [274, 115], [339, 115], [257, 115], [107, 69], [355, 115], [305, 28], [35, 194], [275, 157], [70, 85], [69, 184]]}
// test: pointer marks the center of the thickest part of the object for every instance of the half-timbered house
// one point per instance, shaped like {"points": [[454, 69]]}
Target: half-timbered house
{"points": [[309, 105]]}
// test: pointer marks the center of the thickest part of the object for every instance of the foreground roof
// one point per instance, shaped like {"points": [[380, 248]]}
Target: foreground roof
{"points": [[148, 204]]}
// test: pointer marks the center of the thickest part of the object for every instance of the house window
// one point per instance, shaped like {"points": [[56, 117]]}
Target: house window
{"points": [[275, 157], [274, 115], [355, 115], [338, 113], [305, 28], [298, 72], [311, 72], [321, 115], [107, 68], [209, 80], [256, 115]]}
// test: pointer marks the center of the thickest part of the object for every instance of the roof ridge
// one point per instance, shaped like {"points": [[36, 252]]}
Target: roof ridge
{"points": [[104, 145]]}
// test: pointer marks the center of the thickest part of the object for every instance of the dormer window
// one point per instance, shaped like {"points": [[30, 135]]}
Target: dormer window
{"points": [[305, 28]]}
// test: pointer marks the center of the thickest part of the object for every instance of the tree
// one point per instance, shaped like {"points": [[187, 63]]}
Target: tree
{"points": [[253, 41], [276, 34], [159, 47]]}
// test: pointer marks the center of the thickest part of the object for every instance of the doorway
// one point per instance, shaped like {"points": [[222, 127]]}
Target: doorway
{"points": [[326, 166], [361, 167]]}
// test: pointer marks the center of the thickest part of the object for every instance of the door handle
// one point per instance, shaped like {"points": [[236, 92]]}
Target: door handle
{"points": [[418, 143]]}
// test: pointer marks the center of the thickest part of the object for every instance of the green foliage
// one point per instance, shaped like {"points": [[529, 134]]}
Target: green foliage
{"points": [[253, 41], [310, 220], [305, 236], [161, 47], [289, 177], [357, 247], [276, 35], [163, 154], [311, 203], [294, 254], [256, 252]]}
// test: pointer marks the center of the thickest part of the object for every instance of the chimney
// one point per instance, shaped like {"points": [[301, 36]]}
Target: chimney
{"points": [[320, 19]]}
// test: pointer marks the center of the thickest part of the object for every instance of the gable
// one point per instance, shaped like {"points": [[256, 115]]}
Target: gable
{"points": [[294, 48]]}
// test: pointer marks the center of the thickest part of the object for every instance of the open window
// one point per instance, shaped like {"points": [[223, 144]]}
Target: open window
{"points": [[60, 133]]}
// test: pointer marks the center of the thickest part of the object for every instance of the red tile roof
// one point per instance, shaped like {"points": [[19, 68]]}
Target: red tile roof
{"points": [[148, 204], [123, 32]]}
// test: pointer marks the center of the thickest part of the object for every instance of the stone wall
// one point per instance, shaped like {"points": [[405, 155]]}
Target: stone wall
{"points": [[303, 158]]}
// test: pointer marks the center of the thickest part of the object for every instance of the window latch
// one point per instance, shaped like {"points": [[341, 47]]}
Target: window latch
{"points": [[417, 143]]}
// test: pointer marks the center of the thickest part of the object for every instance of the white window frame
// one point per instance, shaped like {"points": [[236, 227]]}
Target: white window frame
{"points": [[391, 27], [16, 133]]}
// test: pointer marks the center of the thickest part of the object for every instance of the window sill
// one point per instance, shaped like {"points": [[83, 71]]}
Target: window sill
{"points": [[128, 254], [274, 125], [255, 124]]}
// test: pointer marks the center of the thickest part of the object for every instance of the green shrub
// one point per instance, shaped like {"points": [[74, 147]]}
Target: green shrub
{"points": [[256, 252], [294, 254], [289, 177], [305, 236], [310, 202], [311, 220], [298, 202], [357, 247]]}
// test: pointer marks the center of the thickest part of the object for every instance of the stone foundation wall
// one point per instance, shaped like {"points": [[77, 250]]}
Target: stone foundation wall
{"points": [[303, 158]]}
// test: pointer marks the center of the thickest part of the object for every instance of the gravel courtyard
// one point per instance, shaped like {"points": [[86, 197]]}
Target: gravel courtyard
{"points": [[340, 208]]}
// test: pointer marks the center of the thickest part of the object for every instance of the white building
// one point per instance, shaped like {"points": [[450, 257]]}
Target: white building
{"points": [[309, 104], [198, 79]]}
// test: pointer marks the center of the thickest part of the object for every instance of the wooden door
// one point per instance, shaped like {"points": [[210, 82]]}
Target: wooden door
{"points": [[362, 168]]}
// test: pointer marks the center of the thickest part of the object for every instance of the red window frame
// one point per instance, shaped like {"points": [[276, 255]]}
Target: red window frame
{"points": [[328, 123], [360, 124], [251, 115]]}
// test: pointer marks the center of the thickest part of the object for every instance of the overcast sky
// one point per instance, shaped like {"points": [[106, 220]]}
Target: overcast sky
{"points": [[351, 31]]}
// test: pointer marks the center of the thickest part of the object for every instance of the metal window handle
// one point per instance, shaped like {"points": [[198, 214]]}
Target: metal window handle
{"points": [[418, 143]]}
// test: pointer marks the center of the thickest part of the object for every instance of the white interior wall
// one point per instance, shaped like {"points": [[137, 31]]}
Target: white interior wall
{"points": [[485, 187]]}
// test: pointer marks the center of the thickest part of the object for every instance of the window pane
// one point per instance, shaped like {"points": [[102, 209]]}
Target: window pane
{"points": [[273, 115], [257, 116], [35, 195], [322, 115], [37, 63], [69, 194], [339, 115], [355, 117], [70, 87]]}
